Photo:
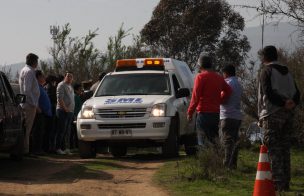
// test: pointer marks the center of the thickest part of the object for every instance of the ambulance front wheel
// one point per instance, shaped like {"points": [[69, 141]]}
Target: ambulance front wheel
{"points": [[86, 149]]}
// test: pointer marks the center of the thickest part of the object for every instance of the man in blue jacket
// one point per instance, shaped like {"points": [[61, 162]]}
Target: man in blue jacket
{"points": [[44, 111]]}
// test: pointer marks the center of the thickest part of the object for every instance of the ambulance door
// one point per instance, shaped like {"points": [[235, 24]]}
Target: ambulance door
{"points": [[181, 105]]}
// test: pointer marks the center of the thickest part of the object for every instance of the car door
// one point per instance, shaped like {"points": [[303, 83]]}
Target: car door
{"points": [[181, 105], [12, 113], [2, 118]]}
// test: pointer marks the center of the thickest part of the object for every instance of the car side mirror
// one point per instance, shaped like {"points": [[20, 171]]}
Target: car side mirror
{"points": [[182, 92], [20, 98]]}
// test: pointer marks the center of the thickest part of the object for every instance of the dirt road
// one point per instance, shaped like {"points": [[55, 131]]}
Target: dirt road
{"points": [[62, 175]]}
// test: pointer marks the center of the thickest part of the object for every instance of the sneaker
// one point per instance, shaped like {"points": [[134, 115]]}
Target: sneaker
{"points": [[67, 151], [61, 152]]}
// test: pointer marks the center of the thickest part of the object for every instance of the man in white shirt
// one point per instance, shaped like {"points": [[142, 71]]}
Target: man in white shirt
{"points": [[29, 87]]}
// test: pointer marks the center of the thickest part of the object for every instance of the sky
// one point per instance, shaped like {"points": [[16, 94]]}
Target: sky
{"points": [[25, 24]]}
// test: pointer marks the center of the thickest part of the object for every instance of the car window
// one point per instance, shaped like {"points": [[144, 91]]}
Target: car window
{"points": [[175, 83], [16, 88], [134, 84], [2, 93], [7, 92]]}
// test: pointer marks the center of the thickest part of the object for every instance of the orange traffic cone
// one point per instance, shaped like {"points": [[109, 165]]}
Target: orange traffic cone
{"points": [[263, 185]]}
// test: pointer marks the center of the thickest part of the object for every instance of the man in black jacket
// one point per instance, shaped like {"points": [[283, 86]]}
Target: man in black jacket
{"points": [[277, 96]]}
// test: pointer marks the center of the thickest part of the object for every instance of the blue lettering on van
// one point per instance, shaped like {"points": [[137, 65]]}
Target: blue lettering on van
{"points": [[123, 101]]}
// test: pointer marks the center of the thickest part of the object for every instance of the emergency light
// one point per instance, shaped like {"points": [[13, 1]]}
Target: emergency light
{"points": [[139, 64]]}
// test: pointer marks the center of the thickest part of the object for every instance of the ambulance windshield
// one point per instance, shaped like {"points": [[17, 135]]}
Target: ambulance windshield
{"points": [[134, 84]]}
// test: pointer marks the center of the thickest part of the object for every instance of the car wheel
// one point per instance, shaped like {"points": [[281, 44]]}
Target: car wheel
{"points": [[118, 151], [17, 152], [171, 146], [86, 149]]}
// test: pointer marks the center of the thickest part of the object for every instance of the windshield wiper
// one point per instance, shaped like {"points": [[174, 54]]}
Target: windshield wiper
{"points": [[105, 95]]}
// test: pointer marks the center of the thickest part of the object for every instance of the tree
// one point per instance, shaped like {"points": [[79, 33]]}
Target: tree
{"points": [[78, 55], [282, 9], [293, 9], [183, 29], [117, 50], [249, 75]]}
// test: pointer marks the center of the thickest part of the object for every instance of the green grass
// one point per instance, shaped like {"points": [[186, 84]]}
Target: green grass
{"points": [[239, 182]]}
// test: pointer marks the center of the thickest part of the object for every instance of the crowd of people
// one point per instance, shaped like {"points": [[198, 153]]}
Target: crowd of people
{"points": [[52, 105], [50, 109], [217, 101]]}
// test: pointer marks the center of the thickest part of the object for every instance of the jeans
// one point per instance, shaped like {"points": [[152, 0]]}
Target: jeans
{"points": [[207, 127], [63, 129]]}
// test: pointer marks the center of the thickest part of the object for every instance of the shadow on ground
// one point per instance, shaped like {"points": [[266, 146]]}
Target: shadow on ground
{"points": [[47, 171], [53, 169]]}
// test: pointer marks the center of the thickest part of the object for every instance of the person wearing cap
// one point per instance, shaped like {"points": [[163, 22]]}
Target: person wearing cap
{"points": [[209, 91], [277, 97], [231, 118]]}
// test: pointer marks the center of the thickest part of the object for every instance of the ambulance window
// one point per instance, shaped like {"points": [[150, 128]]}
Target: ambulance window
{"points": [[175, 83]]}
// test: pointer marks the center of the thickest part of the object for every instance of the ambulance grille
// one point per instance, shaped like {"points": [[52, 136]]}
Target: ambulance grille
{"points": [[122, 113], [122, 126]]}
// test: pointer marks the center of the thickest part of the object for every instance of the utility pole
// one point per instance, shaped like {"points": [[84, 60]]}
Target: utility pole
{"points": [[263, 21], [54, 30]]}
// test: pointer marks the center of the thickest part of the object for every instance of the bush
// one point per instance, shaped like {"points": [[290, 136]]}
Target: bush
{"points": [[206, 164]]}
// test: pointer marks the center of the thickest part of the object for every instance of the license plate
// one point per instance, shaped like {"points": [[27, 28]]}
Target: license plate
{"points": [[121, 132]]}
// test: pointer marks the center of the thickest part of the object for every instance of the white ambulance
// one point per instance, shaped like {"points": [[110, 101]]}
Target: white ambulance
{"points": [[142, 103]]}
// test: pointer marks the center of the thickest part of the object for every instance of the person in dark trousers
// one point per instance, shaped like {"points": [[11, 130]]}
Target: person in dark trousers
{"points": [[29, 87], [206, 100], [64, 113], [231, 118], [50, 132], [278, 95], [45, 110], [78, 104]]}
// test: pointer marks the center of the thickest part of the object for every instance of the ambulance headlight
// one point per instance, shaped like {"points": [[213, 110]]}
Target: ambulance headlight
{"points": [[158, 110], [87, 112]]}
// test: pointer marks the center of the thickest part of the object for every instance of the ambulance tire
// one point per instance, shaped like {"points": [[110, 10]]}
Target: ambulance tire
{"points": [[171, 146], [118, 151], [86, 149]]}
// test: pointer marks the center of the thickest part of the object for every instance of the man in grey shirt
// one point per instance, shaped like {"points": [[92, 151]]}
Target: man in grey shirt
{"points": [[278, 96], [64, 112], [231, 118], [29, 86]]}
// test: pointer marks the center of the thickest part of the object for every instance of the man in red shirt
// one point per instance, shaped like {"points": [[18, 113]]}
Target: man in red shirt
{"points": [[209, 91]]}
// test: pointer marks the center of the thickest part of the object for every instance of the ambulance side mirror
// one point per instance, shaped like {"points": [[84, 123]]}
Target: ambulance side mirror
{"points": [[182, 92]]}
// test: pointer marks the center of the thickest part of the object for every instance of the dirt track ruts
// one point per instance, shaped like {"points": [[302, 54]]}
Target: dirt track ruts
{"points": [[67, 176]]}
